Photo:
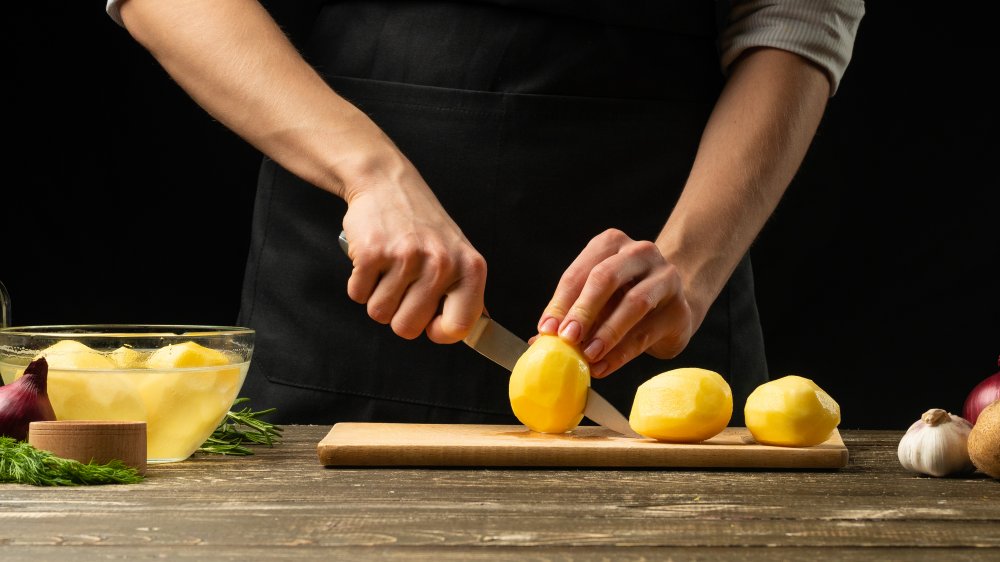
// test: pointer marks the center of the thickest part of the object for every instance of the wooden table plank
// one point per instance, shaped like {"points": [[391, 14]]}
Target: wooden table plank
{"points": [[492, 553], [281, 504]]}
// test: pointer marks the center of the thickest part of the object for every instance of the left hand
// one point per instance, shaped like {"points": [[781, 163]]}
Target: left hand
{"points": [[618, 299]]}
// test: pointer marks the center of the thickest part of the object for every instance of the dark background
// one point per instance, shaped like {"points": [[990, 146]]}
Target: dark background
{"points": [[876, 277]]}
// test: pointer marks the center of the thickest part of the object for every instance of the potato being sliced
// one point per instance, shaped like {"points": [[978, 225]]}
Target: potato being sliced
{"points": [[548, 386]]}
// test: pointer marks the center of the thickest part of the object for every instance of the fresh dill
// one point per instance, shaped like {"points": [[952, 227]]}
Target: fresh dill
{"points": [[23, 464], [240, 429]]}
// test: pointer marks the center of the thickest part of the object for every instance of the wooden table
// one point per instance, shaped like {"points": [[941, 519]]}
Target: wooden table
{"points": [[282, 505]]}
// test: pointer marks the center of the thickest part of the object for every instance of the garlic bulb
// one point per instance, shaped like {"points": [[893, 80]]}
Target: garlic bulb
{"points": [[936, 445]]}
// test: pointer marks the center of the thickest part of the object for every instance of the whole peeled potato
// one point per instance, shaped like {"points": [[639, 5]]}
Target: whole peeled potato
{"points": [[791, 411], [684, 405]]}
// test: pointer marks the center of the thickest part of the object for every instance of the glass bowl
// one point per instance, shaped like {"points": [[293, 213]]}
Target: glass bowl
{"points": [[180, 380]]}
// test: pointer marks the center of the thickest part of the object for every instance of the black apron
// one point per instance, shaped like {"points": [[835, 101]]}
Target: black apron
{"points": [[538, 126]]}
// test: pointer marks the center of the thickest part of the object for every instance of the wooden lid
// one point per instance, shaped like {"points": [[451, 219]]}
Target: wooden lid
{"points": [[97, 441]]}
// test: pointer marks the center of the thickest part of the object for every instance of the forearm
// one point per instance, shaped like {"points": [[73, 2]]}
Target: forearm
{"points": [[232, 58], [753, 144], [408, 254]]}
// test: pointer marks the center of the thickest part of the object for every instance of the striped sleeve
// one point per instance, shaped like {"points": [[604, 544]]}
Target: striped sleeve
{"points": [[821, 31]]}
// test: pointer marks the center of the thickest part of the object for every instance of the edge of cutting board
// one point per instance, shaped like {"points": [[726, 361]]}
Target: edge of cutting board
{"points": [[402, 444]]}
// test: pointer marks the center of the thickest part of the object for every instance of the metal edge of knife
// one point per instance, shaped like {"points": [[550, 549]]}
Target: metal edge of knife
{"points": [[496, 343], [603, 413]]}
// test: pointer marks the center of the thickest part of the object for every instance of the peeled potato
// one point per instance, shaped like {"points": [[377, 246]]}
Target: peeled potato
{"points": [[184, 407], [95, 396], [127, 358], [71, 354], [792, 411], [78, 392], [185, 355], [548, 386], [683, 406]]}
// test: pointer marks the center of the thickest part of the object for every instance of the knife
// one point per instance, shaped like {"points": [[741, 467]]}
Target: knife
{"points": [[499, 345]]}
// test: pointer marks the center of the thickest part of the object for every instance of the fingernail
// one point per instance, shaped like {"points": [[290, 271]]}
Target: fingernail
{"points": [[594, 349], [597, 369], [571, 331], [549, 326]]}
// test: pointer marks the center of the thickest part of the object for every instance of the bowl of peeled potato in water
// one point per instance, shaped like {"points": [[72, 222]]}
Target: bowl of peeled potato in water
{"points": [[180, 380]]}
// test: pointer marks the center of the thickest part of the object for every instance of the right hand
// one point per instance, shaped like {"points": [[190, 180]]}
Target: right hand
{"points": [[413, 267], [408, 254]]}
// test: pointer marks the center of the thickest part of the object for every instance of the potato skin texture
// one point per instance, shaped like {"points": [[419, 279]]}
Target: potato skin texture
{"points": [[548, 386], [685, 405], [984, 440]]}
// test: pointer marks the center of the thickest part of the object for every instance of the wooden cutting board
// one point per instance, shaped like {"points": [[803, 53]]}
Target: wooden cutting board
{"points": [[400, 444]]}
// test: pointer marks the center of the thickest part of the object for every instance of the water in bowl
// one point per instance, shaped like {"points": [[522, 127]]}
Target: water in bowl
{"points": [[181, 406]]}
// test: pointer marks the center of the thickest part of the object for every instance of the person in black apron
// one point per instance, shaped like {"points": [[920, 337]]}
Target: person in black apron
{"points": [[539, 128]]}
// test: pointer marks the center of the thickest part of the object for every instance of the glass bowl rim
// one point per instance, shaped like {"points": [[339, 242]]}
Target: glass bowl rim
{"points": [[114, 330]]}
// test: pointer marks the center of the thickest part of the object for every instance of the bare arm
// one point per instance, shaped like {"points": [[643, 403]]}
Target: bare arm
{"points": [[408, 254], [623, 297], [753, 144], [232, 58]]}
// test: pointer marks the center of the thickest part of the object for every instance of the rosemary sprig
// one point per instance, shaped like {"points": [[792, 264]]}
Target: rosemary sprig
{"points": [[23, 464], [240, 428]]}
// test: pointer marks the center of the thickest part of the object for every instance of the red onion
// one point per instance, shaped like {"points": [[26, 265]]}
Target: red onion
{"points": [[984, 394], [25, 400]]}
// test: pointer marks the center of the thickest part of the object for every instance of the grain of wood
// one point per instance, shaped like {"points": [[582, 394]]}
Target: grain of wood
{"points": [[536, 554], [281, 504], [397, 444]]}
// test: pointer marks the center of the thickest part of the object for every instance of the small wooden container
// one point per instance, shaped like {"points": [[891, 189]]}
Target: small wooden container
{"points": [[97, 441]]}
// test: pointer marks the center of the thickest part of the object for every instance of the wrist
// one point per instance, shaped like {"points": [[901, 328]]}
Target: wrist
{"points": [[363, 158], [377, 167], [699, 272]]}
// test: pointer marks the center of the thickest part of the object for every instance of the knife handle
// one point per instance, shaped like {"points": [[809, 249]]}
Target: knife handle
{"points": [[342, 240]]}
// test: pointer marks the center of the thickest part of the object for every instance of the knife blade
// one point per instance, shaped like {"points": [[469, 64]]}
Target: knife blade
{"points": [[500, 345], [495, 342]]}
